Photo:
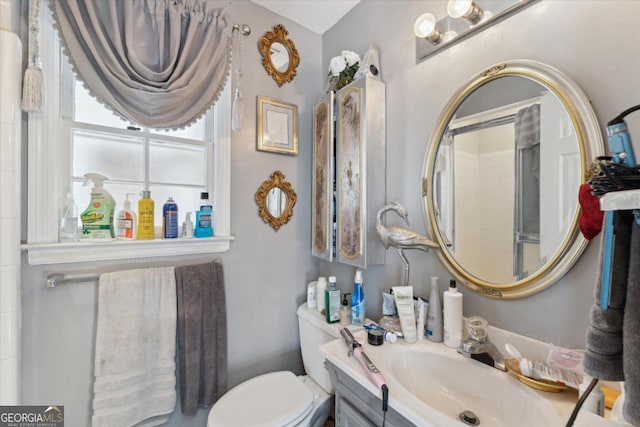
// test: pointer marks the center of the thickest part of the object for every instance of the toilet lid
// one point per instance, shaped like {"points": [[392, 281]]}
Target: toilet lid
{"points": [[273, 399]]}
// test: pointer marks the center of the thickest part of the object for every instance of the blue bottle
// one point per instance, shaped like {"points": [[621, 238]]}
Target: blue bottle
{"points": [[204, 217], [170, 219], [357, 301]]}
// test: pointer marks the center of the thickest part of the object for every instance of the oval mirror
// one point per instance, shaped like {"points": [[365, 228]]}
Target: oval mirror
{"points": [[275, 199], [279, 55], [501, 178], [276, 202]]}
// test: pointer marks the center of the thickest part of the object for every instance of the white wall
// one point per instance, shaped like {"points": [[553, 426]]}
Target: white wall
{"points": [[266, 272], [600, 62], [10, 114]]}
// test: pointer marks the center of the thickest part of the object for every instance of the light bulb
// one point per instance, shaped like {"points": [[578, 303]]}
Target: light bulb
{"points": [[458, 8], [466, 9], [425, 27]]}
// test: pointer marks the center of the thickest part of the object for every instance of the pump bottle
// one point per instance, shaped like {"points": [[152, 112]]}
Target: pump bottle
{"points": [[126, 221], [345, 311], [187, 227], [452, 312]]}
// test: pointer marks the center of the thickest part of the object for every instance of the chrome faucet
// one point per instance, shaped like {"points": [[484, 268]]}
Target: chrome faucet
{"points": [[478, 347]]}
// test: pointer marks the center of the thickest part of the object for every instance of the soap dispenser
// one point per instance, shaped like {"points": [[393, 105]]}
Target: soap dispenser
{"points": [[126, 221], [345, 311]]}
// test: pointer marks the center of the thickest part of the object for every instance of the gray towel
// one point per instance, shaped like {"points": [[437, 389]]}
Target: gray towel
{"points": [[604, 348], [202, 335], [631, 333]]}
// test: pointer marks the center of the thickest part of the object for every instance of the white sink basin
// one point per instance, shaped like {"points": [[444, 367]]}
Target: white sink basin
{"points": [[431, 384], [451, 384]]}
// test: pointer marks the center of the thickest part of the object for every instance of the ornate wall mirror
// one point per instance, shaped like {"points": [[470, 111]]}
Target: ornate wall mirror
{"points": [[501, 178], [279, 55], [275, 199]]}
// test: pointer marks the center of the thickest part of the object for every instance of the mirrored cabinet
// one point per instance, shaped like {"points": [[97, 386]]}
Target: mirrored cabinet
{"points": [[349, 176]]}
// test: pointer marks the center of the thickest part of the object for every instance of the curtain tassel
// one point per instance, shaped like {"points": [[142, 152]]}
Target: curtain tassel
{"points": [[33, 83], [33, 90]]}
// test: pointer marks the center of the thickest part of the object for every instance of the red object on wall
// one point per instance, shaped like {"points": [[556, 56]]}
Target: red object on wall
{"points": [[591, 217]]}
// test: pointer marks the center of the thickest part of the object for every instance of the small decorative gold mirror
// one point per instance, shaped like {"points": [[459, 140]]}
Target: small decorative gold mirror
{"points": [[275, 199], [279, 55]]}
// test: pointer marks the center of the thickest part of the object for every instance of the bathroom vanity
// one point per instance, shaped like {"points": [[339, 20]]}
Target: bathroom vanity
{"points": [[355, 406], [432, 385]]}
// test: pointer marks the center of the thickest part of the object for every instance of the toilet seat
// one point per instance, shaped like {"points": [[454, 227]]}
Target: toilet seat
{"points": [[273, 399]]}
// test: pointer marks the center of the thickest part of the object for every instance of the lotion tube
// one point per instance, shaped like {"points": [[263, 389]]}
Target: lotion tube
{"points": [[406, 312]]}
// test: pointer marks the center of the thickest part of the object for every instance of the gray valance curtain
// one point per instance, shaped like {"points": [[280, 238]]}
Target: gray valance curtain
{"points": [[157, 63]]}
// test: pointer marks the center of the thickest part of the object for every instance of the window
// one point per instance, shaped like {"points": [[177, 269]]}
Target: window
{"points": [[168, 163], [77, 135]]}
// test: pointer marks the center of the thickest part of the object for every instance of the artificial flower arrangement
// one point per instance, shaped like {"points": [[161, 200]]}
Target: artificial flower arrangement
{"points": [[342, 68]]}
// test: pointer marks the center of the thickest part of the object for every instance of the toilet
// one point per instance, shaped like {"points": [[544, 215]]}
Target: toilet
{"points": [[282, 399]]}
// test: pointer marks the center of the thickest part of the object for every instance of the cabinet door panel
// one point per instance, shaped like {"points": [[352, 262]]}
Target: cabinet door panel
{"points": [[349, 173], [351, 417], [323, 199]]}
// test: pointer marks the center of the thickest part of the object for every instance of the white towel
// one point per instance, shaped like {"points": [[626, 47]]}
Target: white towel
{"points": [[135, 370]]}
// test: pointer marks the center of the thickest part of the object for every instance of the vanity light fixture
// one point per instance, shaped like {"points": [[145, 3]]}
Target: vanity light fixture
{"points": [[467, 9], [425, 27], [435, 34]]}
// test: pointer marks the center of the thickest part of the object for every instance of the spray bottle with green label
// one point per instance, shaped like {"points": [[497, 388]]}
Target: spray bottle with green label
{"points": [[97, 218]]}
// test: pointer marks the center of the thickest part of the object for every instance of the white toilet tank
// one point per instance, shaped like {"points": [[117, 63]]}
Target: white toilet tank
{"points": [[315, 331]]}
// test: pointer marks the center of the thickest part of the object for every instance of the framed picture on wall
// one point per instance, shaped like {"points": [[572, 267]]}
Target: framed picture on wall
{"points": [[277, 126]]}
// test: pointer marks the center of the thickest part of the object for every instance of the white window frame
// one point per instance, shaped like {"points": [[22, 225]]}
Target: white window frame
{"points": [[49, 177]]}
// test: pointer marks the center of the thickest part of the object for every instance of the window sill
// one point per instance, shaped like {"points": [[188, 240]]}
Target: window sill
{"points": [[62, 253]]}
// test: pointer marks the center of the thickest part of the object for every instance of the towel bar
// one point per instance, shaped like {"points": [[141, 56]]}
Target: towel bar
{"points": [[59, 279]]}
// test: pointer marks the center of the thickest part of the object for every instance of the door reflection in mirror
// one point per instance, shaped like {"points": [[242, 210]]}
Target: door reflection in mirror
{"points": [[488, 198]]}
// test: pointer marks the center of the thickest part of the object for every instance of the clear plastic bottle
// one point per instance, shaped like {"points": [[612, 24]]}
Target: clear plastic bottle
{"points": [[69, 220], [358, 301], [345, 311]]}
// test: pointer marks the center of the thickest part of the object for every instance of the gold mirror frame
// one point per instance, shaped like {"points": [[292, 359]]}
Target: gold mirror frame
{"points": [[278, 35], [590, 145], [276, 180]]}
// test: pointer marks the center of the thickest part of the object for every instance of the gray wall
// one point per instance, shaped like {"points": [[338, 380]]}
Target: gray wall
{"points": [[559, 33], [265, 271]]}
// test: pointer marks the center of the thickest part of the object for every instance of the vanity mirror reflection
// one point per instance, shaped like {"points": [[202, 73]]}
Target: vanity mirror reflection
{"points": [[501, 178], [275, 199], [280, 57]]}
